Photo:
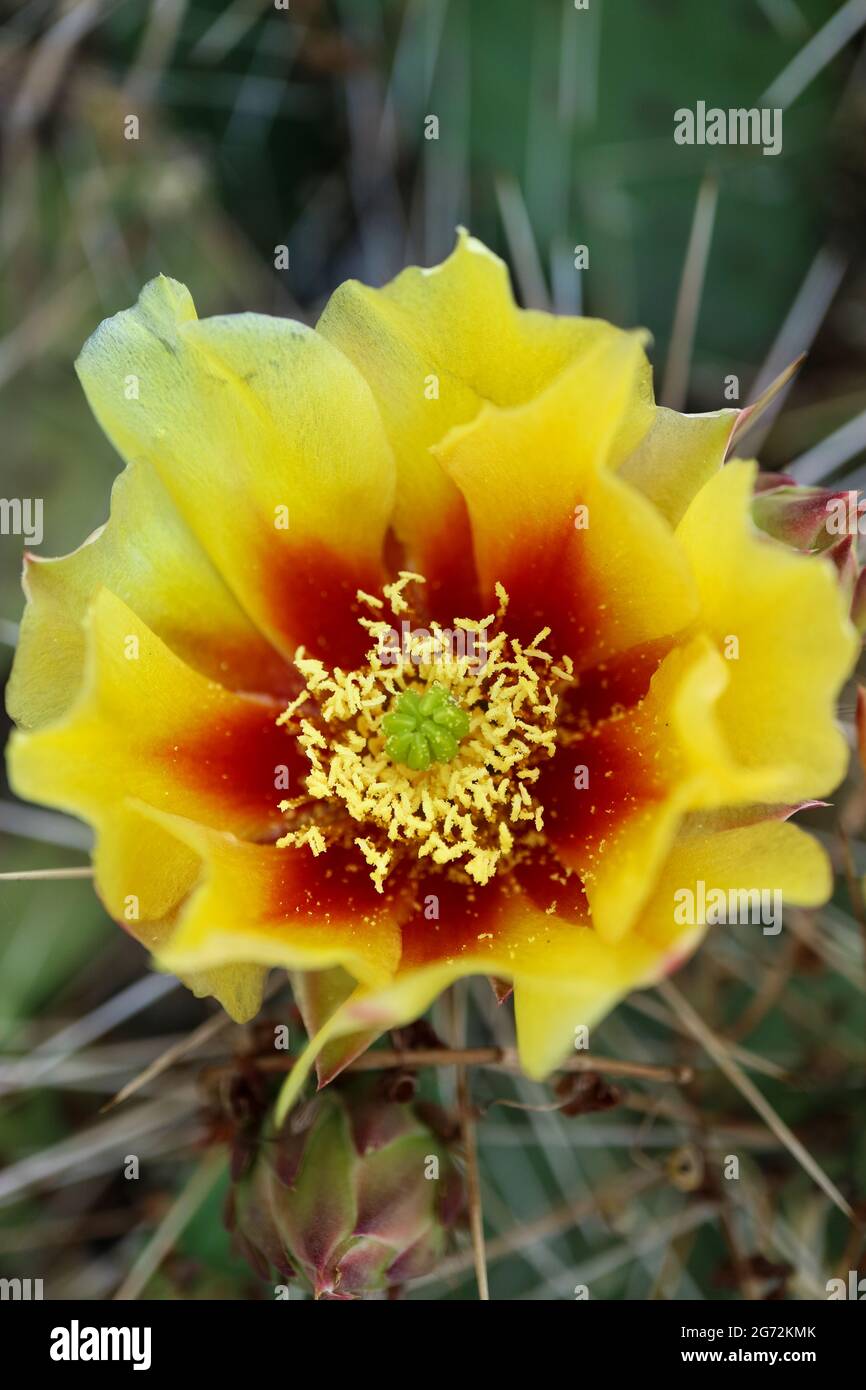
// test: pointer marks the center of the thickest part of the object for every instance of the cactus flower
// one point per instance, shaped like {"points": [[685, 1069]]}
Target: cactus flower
{"points": [[424, 644], [354, 1193]]}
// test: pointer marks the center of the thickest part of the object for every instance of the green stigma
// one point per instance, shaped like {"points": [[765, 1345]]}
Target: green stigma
{"points": [[424, 729]]}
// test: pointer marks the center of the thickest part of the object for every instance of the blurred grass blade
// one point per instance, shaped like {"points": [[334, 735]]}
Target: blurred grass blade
{"points": [[735, 1074]]}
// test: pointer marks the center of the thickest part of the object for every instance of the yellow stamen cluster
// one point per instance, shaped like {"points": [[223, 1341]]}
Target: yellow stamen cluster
{"points": [[465, 813]]}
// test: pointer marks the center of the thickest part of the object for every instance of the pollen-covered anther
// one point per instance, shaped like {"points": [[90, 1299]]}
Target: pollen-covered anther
{"points": [[432, 749]]}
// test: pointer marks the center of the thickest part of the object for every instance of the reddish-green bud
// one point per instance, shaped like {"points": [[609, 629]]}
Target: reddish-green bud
{"points": [[843, 553], [804, 517], [858, 603], [356, 1194]]}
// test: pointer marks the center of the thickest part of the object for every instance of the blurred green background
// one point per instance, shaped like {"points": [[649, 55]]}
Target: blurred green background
{"points": [[261, 127]]}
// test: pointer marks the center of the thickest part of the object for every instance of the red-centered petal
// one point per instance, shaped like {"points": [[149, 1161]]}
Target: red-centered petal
{"points": [[451, 929], [494, 928], [149, 558], [147, 726], [309, 590], [282, 907], [577, 549], [615, 685], [452, 918], [269, 444], [592, 786], [435, 345], [614, 793], [242, 760], [551, 887], [448, 564]]}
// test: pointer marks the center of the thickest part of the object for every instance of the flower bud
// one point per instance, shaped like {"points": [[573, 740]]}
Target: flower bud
{"points": [[797, 515], [356, 1193]]}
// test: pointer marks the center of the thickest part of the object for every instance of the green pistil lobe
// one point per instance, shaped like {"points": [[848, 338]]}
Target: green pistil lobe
{"points": [[424, 729]]}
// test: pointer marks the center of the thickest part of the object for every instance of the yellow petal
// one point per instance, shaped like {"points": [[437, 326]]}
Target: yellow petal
{"points": [[280, 907], [769, 855], [566, 974], [780, 620], [239, 988], [141, 871], [576, 548], [268, 442], [520, 940], [677, 456], [368, 1011], [435, 345], [548, 1015], [147, 555], [549, 958], [644, 768], [144, 872], [145, 725]]}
